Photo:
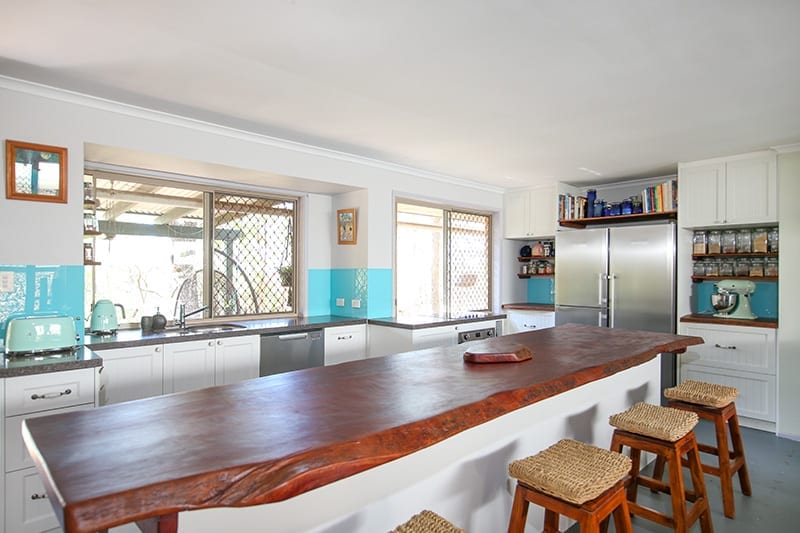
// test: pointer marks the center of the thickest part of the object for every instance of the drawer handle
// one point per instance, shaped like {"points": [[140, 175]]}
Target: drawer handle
{"points": [[35, 496], [50, 395], [344, 338], [725, 347]]}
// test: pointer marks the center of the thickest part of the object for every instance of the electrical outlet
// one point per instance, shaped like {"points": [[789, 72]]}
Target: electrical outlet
{"points": [[6, 281], [355, 304], [339, 302]]}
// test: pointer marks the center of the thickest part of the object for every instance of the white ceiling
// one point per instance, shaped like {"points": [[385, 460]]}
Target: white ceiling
{"points": [[504, 92]]}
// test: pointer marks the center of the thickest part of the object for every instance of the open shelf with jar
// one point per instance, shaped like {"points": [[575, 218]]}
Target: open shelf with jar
{"points": [[90, 225], [581, 223], [537, 266], [735, 253]]}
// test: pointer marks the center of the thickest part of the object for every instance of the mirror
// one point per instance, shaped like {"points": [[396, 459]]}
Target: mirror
{"points": [[36, 172]]}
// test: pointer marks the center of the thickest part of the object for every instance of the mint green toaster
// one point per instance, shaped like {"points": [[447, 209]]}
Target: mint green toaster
{"points": [[39, 334]]}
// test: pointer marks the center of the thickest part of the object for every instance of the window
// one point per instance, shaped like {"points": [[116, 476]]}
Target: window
{"points": [[442, 260], [164, 244]]}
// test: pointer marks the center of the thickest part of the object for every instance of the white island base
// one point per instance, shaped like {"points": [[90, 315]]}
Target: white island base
{"points": [[463, 478]]}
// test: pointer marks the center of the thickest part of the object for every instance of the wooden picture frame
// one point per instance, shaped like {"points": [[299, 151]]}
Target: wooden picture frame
{"points": [[346, 226], [36, 172]]}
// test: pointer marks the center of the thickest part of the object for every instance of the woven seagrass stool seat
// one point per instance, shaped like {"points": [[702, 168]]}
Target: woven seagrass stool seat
{"points": [[427, 522], [668, 433], [578, 480], [714, 402]]}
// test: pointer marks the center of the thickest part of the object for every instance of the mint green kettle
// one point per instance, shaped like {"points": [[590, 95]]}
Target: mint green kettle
{"points": [[104, 317]]}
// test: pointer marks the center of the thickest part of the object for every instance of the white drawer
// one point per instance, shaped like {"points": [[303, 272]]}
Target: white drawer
{"points": [[41, 392], [757, 398], [16, 454], [732, 347], [28, 508]]}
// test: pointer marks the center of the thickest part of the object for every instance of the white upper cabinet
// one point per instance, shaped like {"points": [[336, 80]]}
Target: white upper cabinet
{"points": [[531, 213], [736, 190]]}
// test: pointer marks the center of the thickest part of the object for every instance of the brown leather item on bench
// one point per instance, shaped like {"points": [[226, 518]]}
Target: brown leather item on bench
{"points": [[496, 351]]}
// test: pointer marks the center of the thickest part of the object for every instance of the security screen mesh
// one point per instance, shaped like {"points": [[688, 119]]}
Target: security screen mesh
{"points": [[469, 253]]}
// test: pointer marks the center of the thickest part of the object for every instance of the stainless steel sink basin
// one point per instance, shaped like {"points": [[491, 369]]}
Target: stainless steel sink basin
{"points": [[213, 328]]}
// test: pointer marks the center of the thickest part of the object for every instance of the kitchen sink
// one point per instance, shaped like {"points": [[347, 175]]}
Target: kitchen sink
{"points": [[213, 328]]}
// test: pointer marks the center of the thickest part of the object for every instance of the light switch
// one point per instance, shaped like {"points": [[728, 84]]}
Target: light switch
{"points": [[6, 281], [355, 304], [339, 302]]}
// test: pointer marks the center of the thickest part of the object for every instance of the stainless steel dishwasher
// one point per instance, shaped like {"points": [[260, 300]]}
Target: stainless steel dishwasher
{"points": [[291, 351]]}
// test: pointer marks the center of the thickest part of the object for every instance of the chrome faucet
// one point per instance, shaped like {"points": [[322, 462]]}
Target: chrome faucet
{"points": [[184, 315]]}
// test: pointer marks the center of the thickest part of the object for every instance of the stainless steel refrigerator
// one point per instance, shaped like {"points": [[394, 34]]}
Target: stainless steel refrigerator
{"points": [[620, 277]]}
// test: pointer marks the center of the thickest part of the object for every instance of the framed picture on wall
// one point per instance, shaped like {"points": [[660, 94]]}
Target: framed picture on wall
{"points": [[346, 226], [36, 172]]}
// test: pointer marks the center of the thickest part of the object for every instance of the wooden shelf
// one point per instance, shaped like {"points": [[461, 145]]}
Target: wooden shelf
{"points": [[751, 278], [536, 258], [524, 276], [91, 263], [718, 256], [581, 223], [91, 233]]}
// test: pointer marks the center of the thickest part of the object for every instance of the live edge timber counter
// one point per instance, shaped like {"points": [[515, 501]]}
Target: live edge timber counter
{"points": [[273, 438]]}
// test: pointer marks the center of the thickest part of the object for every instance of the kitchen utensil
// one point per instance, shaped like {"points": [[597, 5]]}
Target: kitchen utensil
{"points": [[104, 317], [159, 321], [38, 334], [147, 324], [732, 299]]}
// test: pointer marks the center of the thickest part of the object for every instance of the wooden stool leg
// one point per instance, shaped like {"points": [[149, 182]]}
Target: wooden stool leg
{"points": [[699, 487], [550, 521], [519, 511], [677, 491], [589, 524], [725, 474], [738, 451], [622, 517]]}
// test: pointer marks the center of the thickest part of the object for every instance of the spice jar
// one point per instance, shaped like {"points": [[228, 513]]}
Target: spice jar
{"points": [[729, 242], [759, 240], [714, 242], [699, 268], [88, 252], [699, 245], [712, 268], [744, 244], [726, 267]]}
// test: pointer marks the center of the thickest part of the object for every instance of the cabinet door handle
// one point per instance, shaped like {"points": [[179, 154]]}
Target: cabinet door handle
{"points": [[219, 343], [531, 326], [725, 347], [50, 395], [344, 338], [35, 496], [211, 343], [157, 349]]}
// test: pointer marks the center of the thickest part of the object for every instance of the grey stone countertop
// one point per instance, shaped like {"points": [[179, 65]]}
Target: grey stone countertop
{"points": [[420, 322], [45, 363], [125, 338]]}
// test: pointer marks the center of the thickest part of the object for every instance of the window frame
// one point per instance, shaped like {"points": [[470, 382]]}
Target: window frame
{"points": [[447, 207]]}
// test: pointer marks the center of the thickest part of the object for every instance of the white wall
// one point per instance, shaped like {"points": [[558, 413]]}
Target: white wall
{"points": [[788, 295]]}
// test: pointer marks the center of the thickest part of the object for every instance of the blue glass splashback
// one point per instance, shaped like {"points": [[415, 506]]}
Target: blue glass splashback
{"points": [[541, 290], [43, 290], [763, 302]]}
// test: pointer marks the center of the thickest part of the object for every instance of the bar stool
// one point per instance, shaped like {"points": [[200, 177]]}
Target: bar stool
{"points": [[578, 480], [427, 522], [715, 403], [668, 433]]}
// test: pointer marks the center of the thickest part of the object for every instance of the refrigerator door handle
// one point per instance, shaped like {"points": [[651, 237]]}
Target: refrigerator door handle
{"points": [[611, 299], [601, 288]]}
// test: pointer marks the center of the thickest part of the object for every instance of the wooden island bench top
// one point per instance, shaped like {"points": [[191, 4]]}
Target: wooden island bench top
{"points": [[272, 438]]}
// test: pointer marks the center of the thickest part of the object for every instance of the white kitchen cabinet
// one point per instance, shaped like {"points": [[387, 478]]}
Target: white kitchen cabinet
{"points": [[204, 363], [188, 365], [735, 190], [345, 343], [736, 356], [530, 213], [131, 373], [519, 320], [26, 504], [236, 359]]}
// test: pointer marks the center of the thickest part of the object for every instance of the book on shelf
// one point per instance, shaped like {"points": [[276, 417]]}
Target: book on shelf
{"points": [[660, 198]]}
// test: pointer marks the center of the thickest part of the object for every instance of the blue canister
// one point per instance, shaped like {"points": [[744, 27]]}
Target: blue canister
{"points": [[599, 208], [615, 209], [627, 207], [591, 196]]}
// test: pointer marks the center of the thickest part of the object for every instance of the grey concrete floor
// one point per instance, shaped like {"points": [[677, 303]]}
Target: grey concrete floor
{"points": [[774, 466]]}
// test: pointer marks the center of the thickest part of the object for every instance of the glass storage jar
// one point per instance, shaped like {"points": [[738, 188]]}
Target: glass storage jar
{"points": [[714, 242], [712, 268], [729, 241], [757, 267], [772, 240], [744, 243], [699, 268], [726, 267], [699, 242], [771, 268], [759, 240], [742, 267]]}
